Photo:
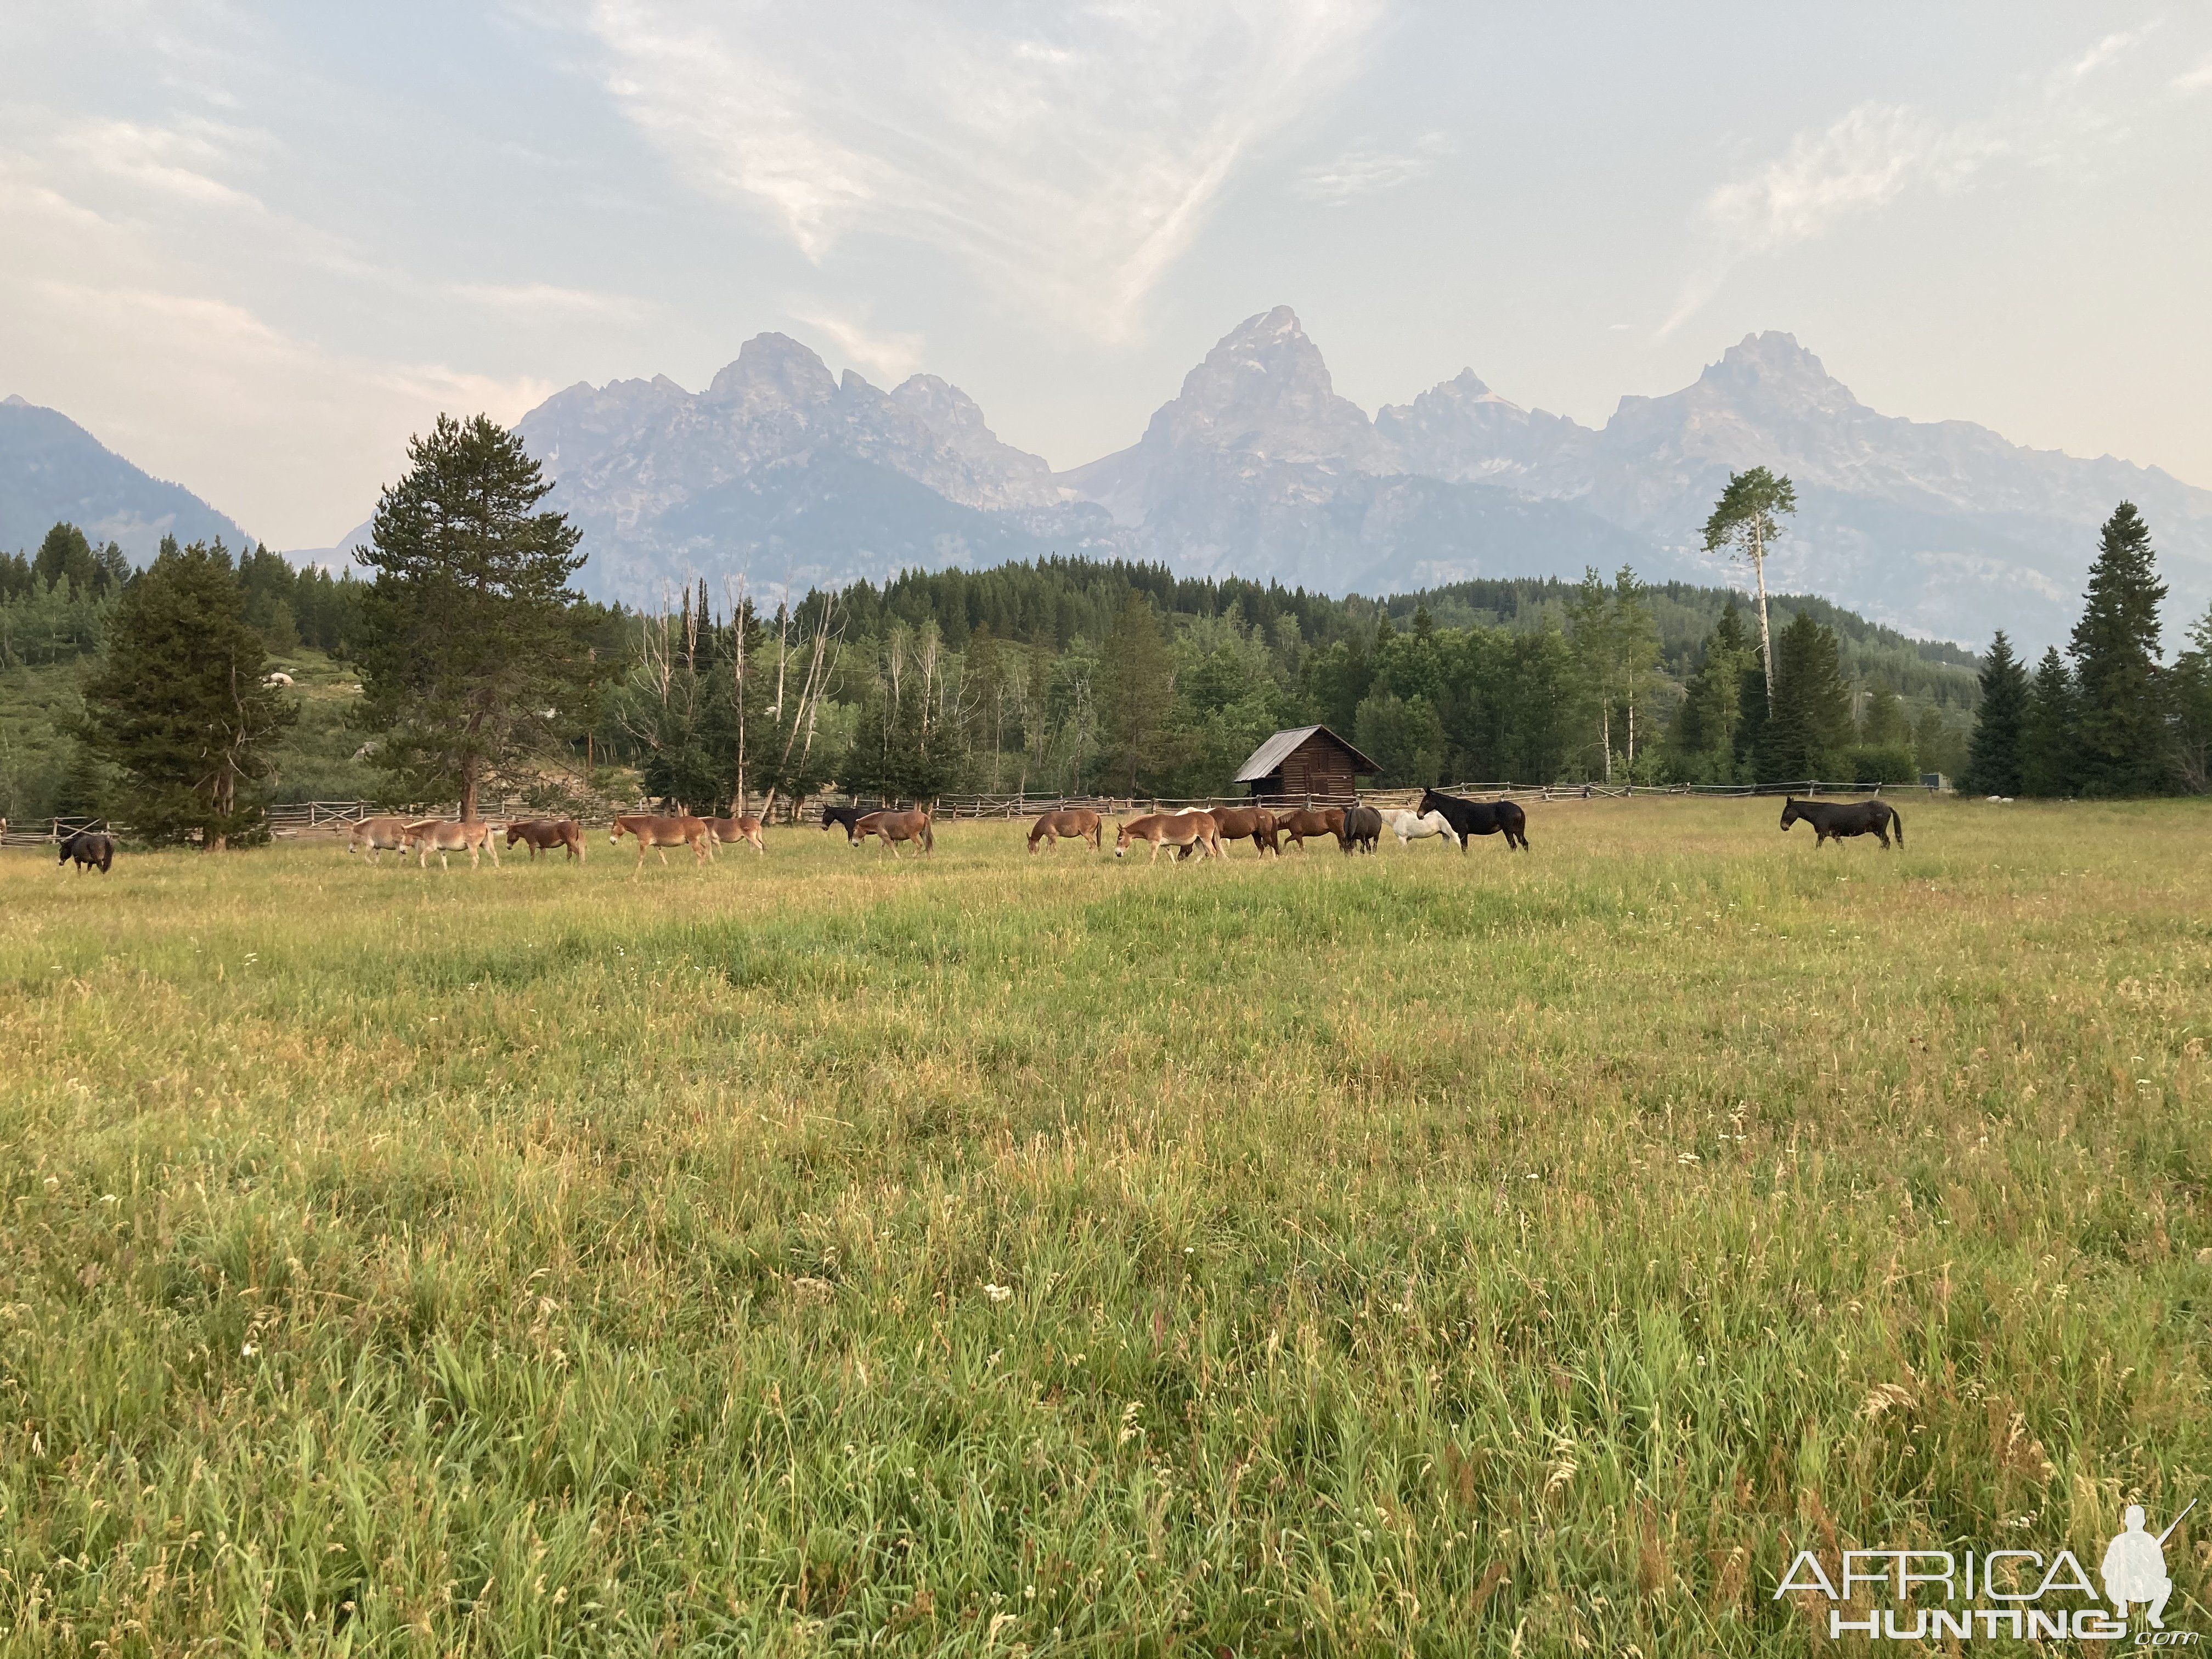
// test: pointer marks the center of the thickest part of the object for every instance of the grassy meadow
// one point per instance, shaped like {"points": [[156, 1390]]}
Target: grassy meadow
{"points": [[1421, 1253]]}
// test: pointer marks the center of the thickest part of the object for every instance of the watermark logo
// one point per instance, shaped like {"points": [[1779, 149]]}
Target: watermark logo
{"points": [[2020, 1595]]}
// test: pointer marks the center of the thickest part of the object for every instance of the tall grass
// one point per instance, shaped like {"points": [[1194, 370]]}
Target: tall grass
{"points": [[1417, 1253]]}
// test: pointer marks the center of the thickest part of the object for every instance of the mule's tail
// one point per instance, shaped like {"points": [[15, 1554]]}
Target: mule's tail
{"points": [[1897, 823]]}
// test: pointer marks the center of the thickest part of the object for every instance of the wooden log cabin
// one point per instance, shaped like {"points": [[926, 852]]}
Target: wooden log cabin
{"points": [[1307, 764]]}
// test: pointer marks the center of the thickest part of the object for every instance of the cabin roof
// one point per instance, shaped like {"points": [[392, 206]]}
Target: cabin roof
{"points": [[1269, 757]]}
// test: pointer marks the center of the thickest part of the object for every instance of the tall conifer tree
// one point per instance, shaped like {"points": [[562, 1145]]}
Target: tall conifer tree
{"points": [[178, 706], [469, 662], [2049, 764], [2124, 744], [1809, 722], [1993, 760]]}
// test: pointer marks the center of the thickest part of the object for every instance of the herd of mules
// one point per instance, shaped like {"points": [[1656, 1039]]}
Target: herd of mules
{"points": [[1205, 831]]}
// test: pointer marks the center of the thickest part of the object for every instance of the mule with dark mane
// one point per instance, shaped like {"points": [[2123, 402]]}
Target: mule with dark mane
{"points": [[1834, 820], [894, 827], [90, 849], [1295, 825], [1469, 819], [1254, 823], [1076, 822], [1361, 827], [544, 835], [842, 817]]}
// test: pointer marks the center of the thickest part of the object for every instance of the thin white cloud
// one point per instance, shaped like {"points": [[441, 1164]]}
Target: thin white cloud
{"points": [[1068, 155], [893, 356], [179, 162], [2196, 80], [543, 302], [1879, 153], [1366, 169]]}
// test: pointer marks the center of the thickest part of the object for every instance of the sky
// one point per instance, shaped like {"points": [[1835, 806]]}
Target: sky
{"points": [[255, 248]]}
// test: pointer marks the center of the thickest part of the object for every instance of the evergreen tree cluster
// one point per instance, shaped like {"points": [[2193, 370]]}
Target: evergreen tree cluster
{"points": [[2108, 717]]}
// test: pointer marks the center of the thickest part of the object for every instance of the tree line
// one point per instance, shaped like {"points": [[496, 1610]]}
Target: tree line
{"points": [[483, 672]]}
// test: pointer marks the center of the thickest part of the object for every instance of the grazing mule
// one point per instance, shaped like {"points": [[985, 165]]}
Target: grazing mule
{"points": [[1295, 825], [848, 816], [89, 848], [1076, 822], [1361, 827], [374, 836], [1469, 819], [1177, 830], [1834, 820], [443, 836], [1415, 826], [544, 835], [742, 828], [891, 827], [658, 834]]}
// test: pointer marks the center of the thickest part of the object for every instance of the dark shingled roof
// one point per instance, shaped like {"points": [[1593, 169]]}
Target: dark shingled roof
{"points": [[1270, 755]]}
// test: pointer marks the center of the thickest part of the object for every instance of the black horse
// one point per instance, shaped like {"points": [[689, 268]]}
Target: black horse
{"points": [[89, 848], [848, 815], [1478, 817], [1843, 817], [1362, 828]]}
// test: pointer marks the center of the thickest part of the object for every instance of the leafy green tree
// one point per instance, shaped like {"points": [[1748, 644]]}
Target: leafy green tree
{"points": [[2049, 750], [1136, 696], [178, 706], [470, 664], [2192, 709], [1884, 724], [2123, 743], [1809, 724], [1746, 520], [1404, 736], [1993, 758]]}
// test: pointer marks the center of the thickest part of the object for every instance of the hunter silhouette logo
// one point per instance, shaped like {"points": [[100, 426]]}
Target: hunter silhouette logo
{"points": [[2013, 1592], [2134, 1569]]}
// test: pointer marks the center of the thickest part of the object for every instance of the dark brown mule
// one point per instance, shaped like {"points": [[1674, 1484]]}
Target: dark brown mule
{"points": [[660, 833], [1359, 828], [544, 835], [891, 827], [1194, 830], [90, 849], [1834, 820], [744, 828], [1076, 822], [1295, 825]]}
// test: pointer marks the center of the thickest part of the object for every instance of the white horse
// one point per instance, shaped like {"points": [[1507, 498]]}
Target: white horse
{"points": [[1411, 827]]}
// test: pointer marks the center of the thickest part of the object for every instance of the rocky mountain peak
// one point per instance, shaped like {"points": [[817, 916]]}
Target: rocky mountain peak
{"points": [[1265, 390], [1772, 367], [773, 371]]}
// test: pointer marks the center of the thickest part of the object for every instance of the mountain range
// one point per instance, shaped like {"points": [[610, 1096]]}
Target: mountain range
{"points": [[52, 470], [783, 472]]}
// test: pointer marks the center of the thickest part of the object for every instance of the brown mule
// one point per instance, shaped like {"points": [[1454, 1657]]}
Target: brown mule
{"points": [[1254, 823], [1076, 822], [544, 835], [1196, 830], [659, 835], [891, 827], [1295, 825], [736, 829], [444, 835], [375, 835]]}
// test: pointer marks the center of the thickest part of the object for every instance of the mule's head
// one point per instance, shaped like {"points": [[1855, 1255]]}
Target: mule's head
{"points": [[1429, 804], [1121, 839], [1790, 812], [614, 833]]}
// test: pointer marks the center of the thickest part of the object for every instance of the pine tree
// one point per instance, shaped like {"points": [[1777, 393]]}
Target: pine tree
{"points": [[1704, 733], [469, 665], [2192, 709], [2124, 746], [177, 705], [1136, 696], [1809, 722], [2048, 754], [1993, 762]]}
